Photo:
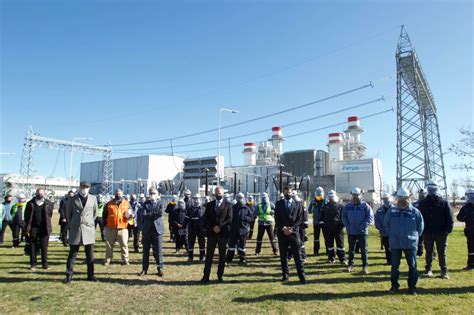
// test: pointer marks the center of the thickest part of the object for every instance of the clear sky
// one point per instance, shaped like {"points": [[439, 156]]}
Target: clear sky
{"points": [[130, 71]]}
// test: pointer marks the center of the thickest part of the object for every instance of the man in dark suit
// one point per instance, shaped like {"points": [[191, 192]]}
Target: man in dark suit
{"points": [[288, 220], [152, 232], [217, 219]]}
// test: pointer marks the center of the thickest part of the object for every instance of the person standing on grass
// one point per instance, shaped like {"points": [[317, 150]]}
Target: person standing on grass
{"points": [[170, 208], [99, 218], [194, 222], [242, 215], [81, 211], [178, 219], [466, 214], [6, 217], [357, 215], [404, 225], [265, 212], [217, 220], [288, 219], [62, 217], [38, 213], [116, 214], [18, 215], [315, 207], [251, 205], [132, 222], [439, 221], [333, 228], [152, 232], [379, 224]]}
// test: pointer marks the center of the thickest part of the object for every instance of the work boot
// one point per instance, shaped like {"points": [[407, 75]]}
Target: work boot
{"points": [[365, 270], [350, 268], [428, 273], [393, 290], [444, 274]]}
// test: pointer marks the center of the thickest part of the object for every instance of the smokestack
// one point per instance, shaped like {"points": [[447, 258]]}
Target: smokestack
{"points": [[336, 140], [250, 153], [277, 139]]}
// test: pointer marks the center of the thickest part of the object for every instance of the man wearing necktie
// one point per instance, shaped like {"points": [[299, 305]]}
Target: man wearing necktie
{"points": [[288, 218], [217, 220]]}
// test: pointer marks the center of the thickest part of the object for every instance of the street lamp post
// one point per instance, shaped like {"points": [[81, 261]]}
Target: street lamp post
{"points": [[233, 111], [70, 158]]}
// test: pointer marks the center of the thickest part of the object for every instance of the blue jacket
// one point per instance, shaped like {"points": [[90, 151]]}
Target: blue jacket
{"points": [[315, 207], [379, 220], [357, 218], [404, 227]]}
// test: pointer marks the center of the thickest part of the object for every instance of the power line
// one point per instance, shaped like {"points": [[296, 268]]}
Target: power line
{"points": [[370, 84], [288, 136], [266, 129]]}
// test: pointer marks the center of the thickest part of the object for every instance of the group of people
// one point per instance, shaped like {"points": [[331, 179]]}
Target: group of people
{"points": [[228, 223]]}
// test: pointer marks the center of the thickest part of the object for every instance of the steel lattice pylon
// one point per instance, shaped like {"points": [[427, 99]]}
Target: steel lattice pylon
{"points": [[32, 141], [419, 153]]}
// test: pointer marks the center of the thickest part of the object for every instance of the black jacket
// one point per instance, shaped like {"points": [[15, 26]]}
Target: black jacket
{"points": [[242, 216], [195, 219], [152, 217], [170, 208], [47, 214], [293, 220], [62, 211], [178, 217], [466, 214], [221, 217], [331, 215], [437, 215]]}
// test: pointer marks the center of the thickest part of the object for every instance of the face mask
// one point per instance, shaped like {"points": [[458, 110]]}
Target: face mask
{"points": [[181, 205], [288, 196], [355, 199], [196, 203], [402, 203], [39, 196], [84, 191], [239, 200], [218, 197], [470, 198], [319, 198], [386, 202], [133, 199], [118, 197], [154, 197], [250, 202], [432, 190]]}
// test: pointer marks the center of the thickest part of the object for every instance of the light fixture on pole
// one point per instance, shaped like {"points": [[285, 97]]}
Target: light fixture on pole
{"points": [[233, 111]]}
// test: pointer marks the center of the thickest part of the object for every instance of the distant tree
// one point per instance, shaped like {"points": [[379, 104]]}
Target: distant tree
{"points": [[464, 149]]}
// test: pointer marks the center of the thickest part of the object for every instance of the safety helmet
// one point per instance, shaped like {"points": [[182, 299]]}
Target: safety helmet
{"points": [[403, 193], [356, 191]]}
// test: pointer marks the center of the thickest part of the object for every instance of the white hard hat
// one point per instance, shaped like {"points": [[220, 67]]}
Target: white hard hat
{"points": [[319, 190], [142, 195], [187, 192], [239, 195], [264, 195], [403, 192], [181, 200], [385, 195], [249, 196], [356, 191], [470, 191], [431, 183], [331, 193], [21, 196], [197, 196]]}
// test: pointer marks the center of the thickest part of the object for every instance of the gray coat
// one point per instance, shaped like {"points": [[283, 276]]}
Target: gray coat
{"points": [[81, 220]]}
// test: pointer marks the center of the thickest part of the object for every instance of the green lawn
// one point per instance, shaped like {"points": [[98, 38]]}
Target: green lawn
{"points": [[251, 289]]}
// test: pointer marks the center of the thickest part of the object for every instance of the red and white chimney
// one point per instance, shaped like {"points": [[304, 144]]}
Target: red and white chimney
{"points": [[335, 146], [250, 153]]}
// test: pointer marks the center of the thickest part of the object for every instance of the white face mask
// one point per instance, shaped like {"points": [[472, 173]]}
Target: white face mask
{"points": [[154, 197], [84, 191]]}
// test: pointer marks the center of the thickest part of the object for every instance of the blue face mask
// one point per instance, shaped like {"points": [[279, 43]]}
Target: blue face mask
{"points": [[432, 190], [386, 202]]}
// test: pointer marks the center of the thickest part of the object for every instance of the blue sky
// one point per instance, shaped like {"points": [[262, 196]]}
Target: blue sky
{"points": [[131, 71]]}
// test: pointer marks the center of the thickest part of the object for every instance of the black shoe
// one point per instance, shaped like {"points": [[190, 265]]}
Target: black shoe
{"points": [[160, 272], [412, 291], [285, 279], [92, 279], [142, 273], [220, 279], [68, 279], [204, 280], [303, 281], [393, 290]]}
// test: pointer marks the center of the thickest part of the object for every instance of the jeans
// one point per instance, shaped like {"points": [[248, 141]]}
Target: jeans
{"points": [[410, 255], [362, 241]]}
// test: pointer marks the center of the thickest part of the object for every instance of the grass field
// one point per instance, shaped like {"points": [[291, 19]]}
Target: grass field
{"points": [[255, 288]]}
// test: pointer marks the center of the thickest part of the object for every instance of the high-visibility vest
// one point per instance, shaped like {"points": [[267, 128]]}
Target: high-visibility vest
{"points": [[116, 214], [265, 215]]}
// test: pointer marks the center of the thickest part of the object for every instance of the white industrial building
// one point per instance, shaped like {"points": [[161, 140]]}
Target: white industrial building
{"points": [[55, 187], [134, 174]]}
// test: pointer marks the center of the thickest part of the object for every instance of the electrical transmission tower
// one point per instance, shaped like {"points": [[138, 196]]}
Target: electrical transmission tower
{"points": [[33, 140], [419, 153]]}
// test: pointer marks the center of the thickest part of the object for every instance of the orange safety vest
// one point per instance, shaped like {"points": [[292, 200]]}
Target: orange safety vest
{"points": [[116, 214]]}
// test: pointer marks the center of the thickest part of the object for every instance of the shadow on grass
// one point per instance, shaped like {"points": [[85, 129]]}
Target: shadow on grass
{"points": [[330, 296]]}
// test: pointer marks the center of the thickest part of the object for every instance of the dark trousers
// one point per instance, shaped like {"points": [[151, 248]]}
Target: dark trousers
{"points": [[63, 233], [134, 231], [470, 249], [410, 255], [100, 222], [362, 240], [17, 229], [261, 231], [39, 235], [303, 239], [317, 234], [332, 235], [419, 252], [181, 239], [292, 244], [441, 242], [71, 259], [212, 243], [172, 232], [386, 247], [237, 242], [152, 238], [192, 235], [252, 224], [5, 224]]}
